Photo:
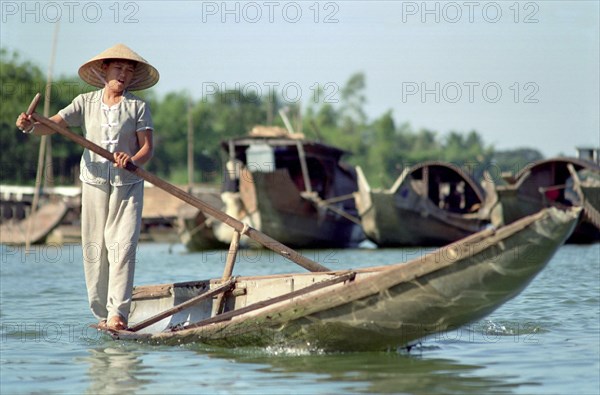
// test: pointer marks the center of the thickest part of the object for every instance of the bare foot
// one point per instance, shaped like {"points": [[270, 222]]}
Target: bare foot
{"points": [[102, 325], [116, 323]]}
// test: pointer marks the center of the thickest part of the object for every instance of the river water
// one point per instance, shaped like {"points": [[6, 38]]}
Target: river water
{"points": [[545, 341]]}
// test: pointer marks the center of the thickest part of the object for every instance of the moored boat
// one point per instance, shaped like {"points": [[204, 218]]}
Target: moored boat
{"points": [[35, 228], [374, 308], [295, 190], [430, 204], [546, 183], [57, 208]]}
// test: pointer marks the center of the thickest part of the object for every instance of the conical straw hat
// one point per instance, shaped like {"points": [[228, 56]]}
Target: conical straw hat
{"points": [[144, 77]]}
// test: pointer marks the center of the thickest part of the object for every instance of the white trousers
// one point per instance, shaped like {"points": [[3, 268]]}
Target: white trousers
{"points": [[110, 229]]}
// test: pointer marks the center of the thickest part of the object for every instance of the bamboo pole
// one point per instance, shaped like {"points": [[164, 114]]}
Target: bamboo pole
{"points": [[304, 167], [43, 156], [36, 192], [190, 147]]}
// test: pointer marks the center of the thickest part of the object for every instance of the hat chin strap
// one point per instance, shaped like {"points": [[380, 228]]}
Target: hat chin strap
{"points": [[100, 77], [134, 81]]}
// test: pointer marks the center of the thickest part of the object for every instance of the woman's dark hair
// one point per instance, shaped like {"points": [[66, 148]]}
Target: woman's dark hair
{"points": [[109, 61]]}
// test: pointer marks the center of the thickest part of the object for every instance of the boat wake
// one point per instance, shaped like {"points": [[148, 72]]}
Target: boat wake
{"points": [[293, 351], [511, 328]]}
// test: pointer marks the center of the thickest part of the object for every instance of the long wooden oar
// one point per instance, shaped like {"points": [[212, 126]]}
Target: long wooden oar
{"points": [[252, 233], [38, 178]]}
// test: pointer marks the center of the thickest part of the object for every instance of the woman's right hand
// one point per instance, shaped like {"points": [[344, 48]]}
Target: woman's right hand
{"points": [[24, 122]]}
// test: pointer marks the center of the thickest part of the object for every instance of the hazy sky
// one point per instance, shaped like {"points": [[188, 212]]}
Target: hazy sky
{"points": [[523, 74]]}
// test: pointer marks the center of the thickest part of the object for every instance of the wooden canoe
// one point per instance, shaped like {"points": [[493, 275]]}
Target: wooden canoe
{"points": [[45, 219], [376, 308]]}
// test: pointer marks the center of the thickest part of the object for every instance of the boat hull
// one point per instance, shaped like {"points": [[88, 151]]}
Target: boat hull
{"points": [[430, 204], [297, 222], [380, 308], [390, 223]]}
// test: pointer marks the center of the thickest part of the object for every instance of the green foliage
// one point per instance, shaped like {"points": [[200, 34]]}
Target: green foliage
{"points": [[16, 78], [20, 81], [381, 147]]}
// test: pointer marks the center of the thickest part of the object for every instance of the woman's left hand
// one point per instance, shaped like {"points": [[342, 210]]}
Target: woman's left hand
{"points": [[121, 159]]}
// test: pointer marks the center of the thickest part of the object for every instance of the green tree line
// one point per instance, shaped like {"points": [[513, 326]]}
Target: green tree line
{"points": [[380, 146]]}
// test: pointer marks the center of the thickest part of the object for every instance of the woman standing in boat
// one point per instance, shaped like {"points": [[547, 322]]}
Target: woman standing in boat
{"points": [[112, 197]]}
